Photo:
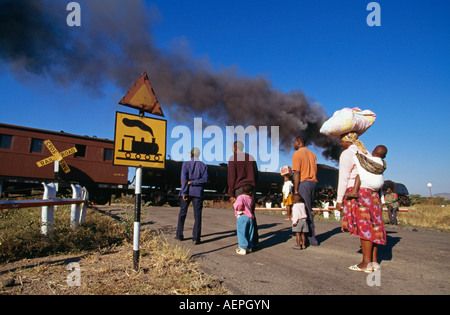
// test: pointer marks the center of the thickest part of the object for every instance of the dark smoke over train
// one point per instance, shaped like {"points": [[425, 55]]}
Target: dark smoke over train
{"points": [[115, 45]]}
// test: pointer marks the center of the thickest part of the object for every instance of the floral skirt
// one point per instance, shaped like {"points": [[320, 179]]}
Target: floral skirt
{"points": [[363, 216]]}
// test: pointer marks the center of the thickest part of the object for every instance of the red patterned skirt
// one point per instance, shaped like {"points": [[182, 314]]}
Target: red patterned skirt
{"points": [[363, 216]]}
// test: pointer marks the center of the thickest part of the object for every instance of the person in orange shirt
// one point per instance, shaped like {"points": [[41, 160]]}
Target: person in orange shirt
{"points": [[304, 165]]}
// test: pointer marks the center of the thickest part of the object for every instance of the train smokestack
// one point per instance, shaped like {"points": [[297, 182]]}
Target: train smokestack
{"points": [[115, 45]]}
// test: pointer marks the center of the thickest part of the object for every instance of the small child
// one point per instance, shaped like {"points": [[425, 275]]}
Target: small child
{"points": [[287, 194], [370, 171], [299, 224], [244, 223]]}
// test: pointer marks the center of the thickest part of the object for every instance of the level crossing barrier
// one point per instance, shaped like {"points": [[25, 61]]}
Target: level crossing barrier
{"points": [[78, 204]]}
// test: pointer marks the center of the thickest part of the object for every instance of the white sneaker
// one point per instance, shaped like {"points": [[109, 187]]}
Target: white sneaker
{"points": [[241, 251]]}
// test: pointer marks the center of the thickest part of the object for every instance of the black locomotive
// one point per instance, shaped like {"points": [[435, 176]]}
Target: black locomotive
{"points": [[141, 149], [162, 186]]}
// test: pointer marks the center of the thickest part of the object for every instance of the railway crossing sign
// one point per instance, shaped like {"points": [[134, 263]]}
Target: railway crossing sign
{"points": [[56, 156], [139, 141]]}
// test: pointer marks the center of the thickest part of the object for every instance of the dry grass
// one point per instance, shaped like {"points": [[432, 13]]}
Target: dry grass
{"points": [[421, 216], [20, 234], [164, 270], [36, 267], [426, 216]]}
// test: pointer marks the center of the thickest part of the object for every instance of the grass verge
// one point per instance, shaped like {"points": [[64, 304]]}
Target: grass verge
{"points": [[428, 217], [20, 234], [31, 264]]}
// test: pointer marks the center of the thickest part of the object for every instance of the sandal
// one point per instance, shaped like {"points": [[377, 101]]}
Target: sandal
{"points": [[356, 268]]}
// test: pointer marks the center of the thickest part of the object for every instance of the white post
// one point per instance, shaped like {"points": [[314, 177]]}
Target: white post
{"points": [[325, 205], [56, 174], [56, 177], [75, 209], [47, 211], [84, 196], [337, 213], [137, 218]]}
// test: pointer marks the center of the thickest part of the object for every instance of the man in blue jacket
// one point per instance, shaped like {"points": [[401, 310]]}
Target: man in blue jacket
{"points": [[194, 174]]}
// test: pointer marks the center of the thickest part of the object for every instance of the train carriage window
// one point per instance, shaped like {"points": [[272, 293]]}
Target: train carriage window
{"points": [[5, 141], [36, 145], [108, 155], [81, 150]]}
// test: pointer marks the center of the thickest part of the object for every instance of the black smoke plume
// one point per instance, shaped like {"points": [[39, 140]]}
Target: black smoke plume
{"points": [[137, 123], [115, 45]]}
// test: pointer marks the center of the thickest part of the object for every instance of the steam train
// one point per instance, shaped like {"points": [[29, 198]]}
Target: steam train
{"points": [[163, 185], [92, 166]]}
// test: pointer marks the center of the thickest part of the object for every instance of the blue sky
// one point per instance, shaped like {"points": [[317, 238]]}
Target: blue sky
{"points": [[400, 70]]}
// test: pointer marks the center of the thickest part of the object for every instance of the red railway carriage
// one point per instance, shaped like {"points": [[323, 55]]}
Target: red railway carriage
{"points": [[91, 166]]}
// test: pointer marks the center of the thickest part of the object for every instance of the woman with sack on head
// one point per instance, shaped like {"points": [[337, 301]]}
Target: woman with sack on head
{"points": [[361, 217]]}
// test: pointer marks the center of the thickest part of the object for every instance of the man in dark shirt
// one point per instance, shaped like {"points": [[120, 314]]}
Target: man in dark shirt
{"points": [[194, 174], [242, 169], [391, 200]]}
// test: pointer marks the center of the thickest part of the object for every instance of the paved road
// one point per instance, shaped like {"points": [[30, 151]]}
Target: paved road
{"points": [[413, 262]]}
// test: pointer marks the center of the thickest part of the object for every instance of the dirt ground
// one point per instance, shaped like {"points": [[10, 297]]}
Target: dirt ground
{"points": [[413, 262]]}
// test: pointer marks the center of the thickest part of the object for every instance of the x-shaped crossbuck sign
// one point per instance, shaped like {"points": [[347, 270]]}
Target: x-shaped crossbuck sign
{"points": [[57, 156]]}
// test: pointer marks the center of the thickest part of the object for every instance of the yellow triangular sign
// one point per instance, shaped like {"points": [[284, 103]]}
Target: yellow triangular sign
{"points": [[141, 96]]}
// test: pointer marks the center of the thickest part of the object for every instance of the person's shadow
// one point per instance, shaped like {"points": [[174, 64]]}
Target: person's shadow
{"points": [[218, 236], [324, 236], [273, 238], [385, 251]]}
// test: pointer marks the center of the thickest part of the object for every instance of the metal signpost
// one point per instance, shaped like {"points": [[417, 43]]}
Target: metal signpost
{"points": [[140, 141]]}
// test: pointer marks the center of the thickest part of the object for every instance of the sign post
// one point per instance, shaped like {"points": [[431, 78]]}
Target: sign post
{"points": [[137, 218], [140, 141]]}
